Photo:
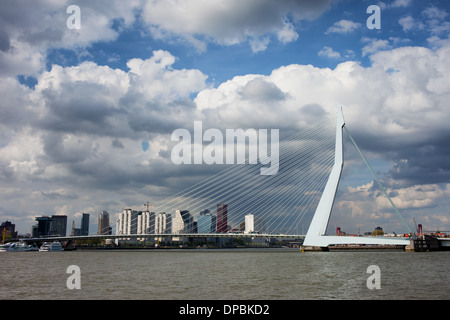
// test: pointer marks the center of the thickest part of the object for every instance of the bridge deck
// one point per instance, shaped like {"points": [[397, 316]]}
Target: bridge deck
{"points": [[165, 235]]}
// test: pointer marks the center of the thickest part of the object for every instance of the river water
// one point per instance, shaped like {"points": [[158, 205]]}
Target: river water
{"points": [[207, 274]]}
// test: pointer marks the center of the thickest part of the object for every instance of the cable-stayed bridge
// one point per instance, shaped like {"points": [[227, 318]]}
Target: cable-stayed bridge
{"points": [[316, 236], [299, 197]]}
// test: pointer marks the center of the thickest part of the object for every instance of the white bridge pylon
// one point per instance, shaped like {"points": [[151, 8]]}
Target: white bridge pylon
{"points": [[315, 237]]}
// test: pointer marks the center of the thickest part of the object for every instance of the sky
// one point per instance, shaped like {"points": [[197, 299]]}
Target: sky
{"points": [[87, 110]]}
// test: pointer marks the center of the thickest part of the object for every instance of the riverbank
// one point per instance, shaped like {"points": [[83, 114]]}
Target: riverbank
{"points": [[124, 248]]}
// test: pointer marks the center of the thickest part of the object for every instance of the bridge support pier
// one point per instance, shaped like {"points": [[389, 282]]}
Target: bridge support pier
{"points": [[68, 245], [423, 244]]}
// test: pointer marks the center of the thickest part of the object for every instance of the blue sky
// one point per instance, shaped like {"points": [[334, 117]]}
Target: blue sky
{"points": [[87, 114], [223, 62]]}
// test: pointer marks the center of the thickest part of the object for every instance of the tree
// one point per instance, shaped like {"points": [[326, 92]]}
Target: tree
{"points": [[378, 231]]}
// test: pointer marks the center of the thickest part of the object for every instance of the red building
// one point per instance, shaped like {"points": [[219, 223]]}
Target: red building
{"points": [[222, 220]]}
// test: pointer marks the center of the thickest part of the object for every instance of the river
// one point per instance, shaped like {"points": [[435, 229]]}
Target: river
{"points": [[222, 274]]}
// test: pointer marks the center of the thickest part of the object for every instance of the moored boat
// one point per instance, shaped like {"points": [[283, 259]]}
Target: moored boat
{"points": [[19, 247], [4, 247], [54, 246]]}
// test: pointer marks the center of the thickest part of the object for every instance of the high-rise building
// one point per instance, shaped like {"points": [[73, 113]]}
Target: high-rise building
{"points": [[43, 226], [222, 220], [188, 220], [206, 222], [177, 223], [145, 223], [85, 224], [8, 229], [163, 223], [183, 222], [58, 225], [103, 223], [128, 222], [254, 224]]}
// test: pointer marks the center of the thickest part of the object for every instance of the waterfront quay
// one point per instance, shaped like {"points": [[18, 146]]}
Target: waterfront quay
{"points": [[421, 243]]}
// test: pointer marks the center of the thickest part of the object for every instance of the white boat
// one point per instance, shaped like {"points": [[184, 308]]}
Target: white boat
{"points": [[19, 247], [4, 247], [54, 246]]}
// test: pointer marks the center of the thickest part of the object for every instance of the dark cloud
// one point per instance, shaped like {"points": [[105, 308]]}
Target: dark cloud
{"points": [[160, 118], [4, 41], [58, 150], [117, 144], [420, 157], [261, 90], [422, 164], [231, 22], [84, 105], [312, 112], [53, 195]]}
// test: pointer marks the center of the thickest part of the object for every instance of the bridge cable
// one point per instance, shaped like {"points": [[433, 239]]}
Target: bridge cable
{"points": [[245, 189], [378, 181]]}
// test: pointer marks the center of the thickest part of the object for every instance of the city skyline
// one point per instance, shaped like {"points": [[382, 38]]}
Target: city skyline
{"points": [[88, 109], [182, 222]]}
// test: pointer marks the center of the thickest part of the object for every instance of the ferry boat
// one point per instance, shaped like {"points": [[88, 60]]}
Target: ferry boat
{"points": [[4, 247], [54, 246], [17, 247]]}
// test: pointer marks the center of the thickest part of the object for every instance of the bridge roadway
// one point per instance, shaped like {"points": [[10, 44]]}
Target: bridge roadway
{"points": [[165, 235], [444, 242]]}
